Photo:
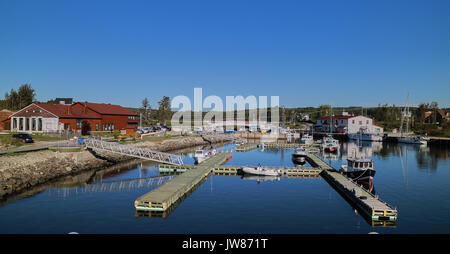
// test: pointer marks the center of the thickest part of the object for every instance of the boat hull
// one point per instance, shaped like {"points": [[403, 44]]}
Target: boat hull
{"points": [[254, 171], [360, 175], [366, 137]]}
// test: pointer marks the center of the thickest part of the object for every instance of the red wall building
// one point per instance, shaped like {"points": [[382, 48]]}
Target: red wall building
{"points": [[81, 116]]}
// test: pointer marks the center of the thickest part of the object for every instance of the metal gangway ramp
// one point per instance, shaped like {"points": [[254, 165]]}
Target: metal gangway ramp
{"points": [[138, 152]]}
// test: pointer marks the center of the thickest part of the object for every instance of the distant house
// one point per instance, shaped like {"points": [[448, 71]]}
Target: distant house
{"points": [[4, 114], [344, 123], [64, 101], [81, 116], [441, 116]]}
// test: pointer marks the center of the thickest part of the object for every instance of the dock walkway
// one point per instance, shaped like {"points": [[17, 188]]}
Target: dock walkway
{"points": [[370, 204], [162, 198]]}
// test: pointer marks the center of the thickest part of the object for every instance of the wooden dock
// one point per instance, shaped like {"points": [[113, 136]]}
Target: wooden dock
{"points": [[237, 170], [245, 147], [163, 197], [371, 205], [317, 162]]}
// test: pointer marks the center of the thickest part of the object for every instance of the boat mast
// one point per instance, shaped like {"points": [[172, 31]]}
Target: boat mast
{"points": [[331, 120], [407, 115]]}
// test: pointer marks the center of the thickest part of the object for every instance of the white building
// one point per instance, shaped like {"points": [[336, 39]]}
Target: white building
{"points": [[344, 123]]}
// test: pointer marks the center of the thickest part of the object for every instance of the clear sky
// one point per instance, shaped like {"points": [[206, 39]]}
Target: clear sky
{"points": [[307, 52]]}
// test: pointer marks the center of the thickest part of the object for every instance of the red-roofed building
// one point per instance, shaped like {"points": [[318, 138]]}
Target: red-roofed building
{"points": [[345, 123], [81, 116]]}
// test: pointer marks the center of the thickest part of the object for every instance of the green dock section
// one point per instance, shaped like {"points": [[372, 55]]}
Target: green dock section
{"points": [[163, 197], [245, 147]]}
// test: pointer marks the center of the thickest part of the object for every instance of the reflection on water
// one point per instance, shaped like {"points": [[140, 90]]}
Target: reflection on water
{"points": [[410, 177]]}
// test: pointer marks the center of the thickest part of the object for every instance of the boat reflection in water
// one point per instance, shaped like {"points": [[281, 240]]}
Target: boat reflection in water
{"points": [[259, 178]]}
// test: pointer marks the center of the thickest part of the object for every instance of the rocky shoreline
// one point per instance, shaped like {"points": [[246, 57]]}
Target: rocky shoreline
{"points": [[19, 173]]}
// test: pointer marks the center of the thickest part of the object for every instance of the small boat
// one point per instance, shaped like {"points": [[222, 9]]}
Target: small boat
{"points": [[360, 169], [299, 155], [413, 139], [330, 145], [260, 171], [307, 139], [202, 155], [364, 135]]}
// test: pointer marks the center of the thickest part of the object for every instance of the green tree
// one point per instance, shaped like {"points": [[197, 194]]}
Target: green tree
{"points": [[26, 95], [164, 113], [145, 110]]}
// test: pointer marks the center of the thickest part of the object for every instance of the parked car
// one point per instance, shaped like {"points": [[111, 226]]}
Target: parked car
{"points": [[26, 138], [140, 131]]}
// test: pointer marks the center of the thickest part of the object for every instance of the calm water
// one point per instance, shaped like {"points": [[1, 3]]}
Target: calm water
{"points": [[414, 179]]}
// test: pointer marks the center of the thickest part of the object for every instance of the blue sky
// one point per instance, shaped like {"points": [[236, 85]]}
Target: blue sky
{"points": [[307, 52]]}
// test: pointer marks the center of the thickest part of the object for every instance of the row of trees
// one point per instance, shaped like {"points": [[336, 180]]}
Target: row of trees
{"points": [[162, 115], [15, 100]]}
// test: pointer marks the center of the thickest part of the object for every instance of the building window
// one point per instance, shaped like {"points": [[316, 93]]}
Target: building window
{"points": [[367, 122], [360, 122], [33, 124], [96, 127], [27, 124], [14, 123], [79, 122], [353, 121], [20, 123], [67, 126], [39, 124]]}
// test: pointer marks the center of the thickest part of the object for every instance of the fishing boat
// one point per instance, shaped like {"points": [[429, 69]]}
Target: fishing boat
{"points": [[201, 155], [260, 171], [360, 169], [299, 155], [307, 139]]}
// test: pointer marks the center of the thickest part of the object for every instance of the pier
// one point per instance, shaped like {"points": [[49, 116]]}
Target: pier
{"points": [[371, 205], [162, 198]]}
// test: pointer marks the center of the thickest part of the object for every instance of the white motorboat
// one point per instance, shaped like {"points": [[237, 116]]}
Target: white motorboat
{"points": [[307, 139], [413, 139], [202, 155], [364, 135], [260, 171], [330, 145], [299, 155]]}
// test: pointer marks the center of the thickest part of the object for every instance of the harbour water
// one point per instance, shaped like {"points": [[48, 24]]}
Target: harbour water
{"points": [[415, 179]]}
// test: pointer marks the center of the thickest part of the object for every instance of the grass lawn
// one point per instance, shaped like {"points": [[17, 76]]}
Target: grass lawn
{"points": [[8, 141]]}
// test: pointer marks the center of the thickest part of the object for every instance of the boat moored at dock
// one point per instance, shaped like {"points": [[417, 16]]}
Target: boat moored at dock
{"points": [[299, 155], [262, 171], [307, 139]]}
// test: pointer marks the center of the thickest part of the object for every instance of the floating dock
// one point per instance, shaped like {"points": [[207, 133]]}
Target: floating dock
{"points": [[245, 147], [370, 204], [163, 197], [166, 197], [237, 170]]}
